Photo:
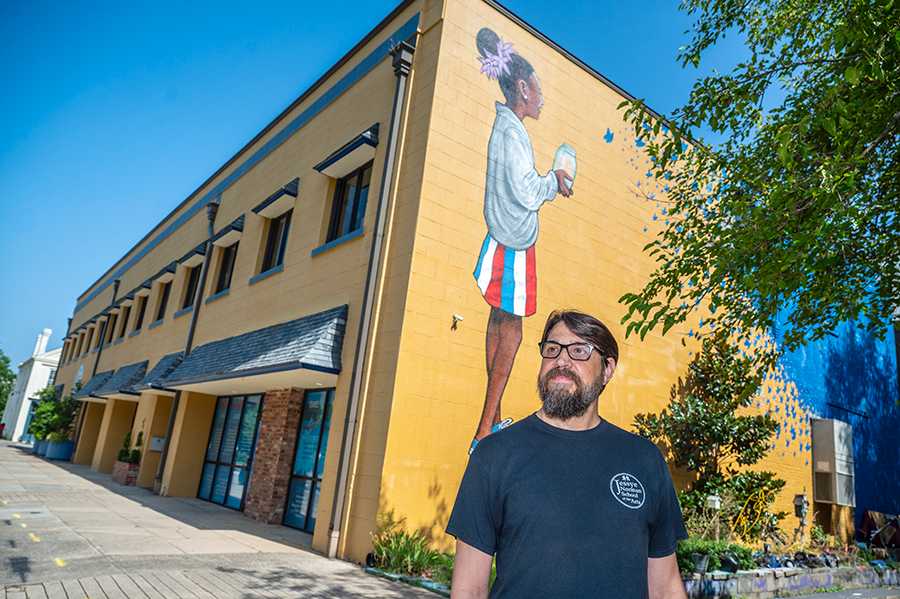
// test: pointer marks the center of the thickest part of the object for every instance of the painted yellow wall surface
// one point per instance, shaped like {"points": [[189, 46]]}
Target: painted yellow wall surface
{"points": [[588, 254], [156, 409], [118, 417], [90, 430], [188, 445]]}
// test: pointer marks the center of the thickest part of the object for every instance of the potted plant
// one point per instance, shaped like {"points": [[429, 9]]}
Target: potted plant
{"points": [[52, 425], [128, 461], [60, 446]]}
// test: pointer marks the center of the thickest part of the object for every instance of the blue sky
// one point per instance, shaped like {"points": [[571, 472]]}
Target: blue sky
{"points": [[112, 113]]}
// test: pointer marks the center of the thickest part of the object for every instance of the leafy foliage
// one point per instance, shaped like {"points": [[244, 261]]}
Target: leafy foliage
{"points": [[714, 549], [400, 551], [705, 434], [7, 380], [53, 415], [126, 453], [792, 219]]}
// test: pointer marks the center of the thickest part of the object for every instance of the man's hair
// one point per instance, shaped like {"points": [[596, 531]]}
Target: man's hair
{"points": [[588, 328]]}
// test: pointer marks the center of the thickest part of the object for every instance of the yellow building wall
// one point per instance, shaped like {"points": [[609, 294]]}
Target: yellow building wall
{"points": [[117, 420], [153, 418], [90, 430], [184, 462], [588, 254]]}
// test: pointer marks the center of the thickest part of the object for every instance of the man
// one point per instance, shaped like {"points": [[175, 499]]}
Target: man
{"points": [[571, 505]]}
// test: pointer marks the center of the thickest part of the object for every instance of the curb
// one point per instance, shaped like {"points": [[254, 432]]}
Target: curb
{"points": [[434, 587]]}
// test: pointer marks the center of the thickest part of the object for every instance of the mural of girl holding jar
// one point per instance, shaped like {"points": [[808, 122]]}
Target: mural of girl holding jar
{"points": [[514, 192]]}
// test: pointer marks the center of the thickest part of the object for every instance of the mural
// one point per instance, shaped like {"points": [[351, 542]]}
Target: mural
{"points": [[514, 193]]}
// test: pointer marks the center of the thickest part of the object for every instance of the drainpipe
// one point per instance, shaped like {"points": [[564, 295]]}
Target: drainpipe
{"points": [[211, 210], [403, 55], [83, 409], [105, 324]]}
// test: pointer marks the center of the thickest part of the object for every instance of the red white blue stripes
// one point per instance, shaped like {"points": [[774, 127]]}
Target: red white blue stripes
{"points": [[507, 278]]}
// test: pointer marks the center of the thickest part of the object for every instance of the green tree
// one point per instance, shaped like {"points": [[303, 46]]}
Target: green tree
{"points": [[704, 432], [7, 380], [792, 218], [53, 416]]}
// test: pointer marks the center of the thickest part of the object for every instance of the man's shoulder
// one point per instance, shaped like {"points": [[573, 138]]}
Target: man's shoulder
{"points": [[629, 441], [509, 438]]}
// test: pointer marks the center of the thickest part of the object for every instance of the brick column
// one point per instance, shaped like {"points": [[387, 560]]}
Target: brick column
{"points": [[278, 426]]}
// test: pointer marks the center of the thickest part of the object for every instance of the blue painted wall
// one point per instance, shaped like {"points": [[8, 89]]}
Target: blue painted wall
{"points": [[852, 377]]}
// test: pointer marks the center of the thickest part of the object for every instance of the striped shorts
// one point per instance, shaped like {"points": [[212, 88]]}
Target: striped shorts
{"points": [[507, 278]]}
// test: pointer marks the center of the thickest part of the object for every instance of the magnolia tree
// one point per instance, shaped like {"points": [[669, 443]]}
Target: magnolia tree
{"points": [[792, 219], [708, 435]]}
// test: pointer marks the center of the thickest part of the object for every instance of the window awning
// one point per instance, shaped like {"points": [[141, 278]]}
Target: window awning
{"points": [[230, 234], [153, 380], [351, 155], [304, 353], [87, 392], [279, 202], [120, 385]]}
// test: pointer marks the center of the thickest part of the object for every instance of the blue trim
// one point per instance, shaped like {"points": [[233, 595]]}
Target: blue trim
{"points": [[368, 63], [117, 340], [107, 345], [95, 350], [268, 273], [272, 199], [153, 324], [183, 311], [348, 150], [218, 295], [340, 240], [133, 333], [253, 372]]}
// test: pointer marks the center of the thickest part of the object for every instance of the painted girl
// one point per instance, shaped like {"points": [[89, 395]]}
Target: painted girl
{"points": [[514, 192]]}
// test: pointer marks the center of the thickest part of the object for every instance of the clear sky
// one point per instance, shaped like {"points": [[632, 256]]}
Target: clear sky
{"points": [[112, 113]]}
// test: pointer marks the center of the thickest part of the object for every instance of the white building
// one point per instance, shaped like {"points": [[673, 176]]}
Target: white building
{"points": [[34, 374]]}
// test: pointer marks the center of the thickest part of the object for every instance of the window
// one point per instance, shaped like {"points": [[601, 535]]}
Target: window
{"points": [[126, 312], [142, 300], [50, 378], [193, 278], [226, 268], [163, 300], [110, 328], [349, 206], [87, 343], [277, 241]]}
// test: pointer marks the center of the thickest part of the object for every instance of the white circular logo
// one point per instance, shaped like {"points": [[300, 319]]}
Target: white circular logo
{"points": [[628, 490]]}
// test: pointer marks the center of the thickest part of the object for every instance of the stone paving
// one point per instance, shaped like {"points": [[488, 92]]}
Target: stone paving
{"points": [[69, 533]]}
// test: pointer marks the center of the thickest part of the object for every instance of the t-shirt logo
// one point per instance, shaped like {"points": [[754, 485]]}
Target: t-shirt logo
{"points": [[628, 490]]}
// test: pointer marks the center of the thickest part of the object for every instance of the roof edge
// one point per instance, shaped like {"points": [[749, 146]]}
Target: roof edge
{"points": [[309, 91]]}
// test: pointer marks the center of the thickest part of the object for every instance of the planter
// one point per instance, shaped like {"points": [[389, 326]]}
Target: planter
{"points": [[125, 473], [60, 451], [701, 561], [41, 447]]}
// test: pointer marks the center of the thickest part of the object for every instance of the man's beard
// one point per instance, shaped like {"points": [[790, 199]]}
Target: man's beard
{"points": [[562, 404]]}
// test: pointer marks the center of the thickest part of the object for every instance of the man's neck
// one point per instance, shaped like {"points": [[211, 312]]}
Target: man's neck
{"points": [[585, 422]]}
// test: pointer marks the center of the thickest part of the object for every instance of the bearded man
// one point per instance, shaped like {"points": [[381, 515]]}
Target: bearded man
{"points": [[571, 505]]}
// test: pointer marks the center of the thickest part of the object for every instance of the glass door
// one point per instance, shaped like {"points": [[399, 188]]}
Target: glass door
{"points": [[309, 460], [229, 455]]}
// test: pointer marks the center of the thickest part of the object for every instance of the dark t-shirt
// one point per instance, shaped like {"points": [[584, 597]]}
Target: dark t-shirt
{"points": [[568, 513]]}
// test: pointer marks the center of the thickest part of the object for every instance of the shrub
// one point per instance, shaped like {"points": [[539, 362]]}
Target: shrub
{"points": [[400, 551], [706, 435], [686, 549]]}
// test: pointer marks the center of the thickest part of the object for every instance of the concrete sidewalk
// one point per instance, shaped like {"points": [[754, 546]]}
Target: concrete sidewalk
{"points": [[69, 533]]}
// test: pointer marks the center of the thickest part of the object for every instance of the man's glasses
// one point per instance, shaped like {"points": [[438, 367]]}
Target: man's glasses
{"points": [[577, 351]]}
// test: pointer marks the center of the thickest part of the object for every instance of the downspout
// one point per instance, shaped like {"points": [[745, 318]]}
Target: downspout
{"points": [[105, 324], [83, 409], [211, 210], [403, 55]]}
